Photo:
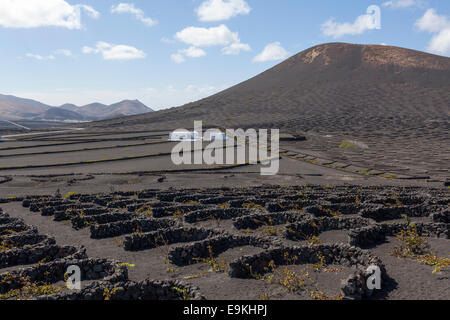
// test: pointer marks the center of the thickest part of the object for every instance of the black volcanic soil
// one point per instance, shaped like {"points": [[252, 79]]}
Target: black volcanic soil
{"points": [[408, 279], [40, 165]]}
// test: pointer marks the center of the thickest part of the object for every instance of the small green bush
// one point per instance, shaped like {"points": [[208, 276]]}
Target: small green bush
{"points": [[347, 145]]}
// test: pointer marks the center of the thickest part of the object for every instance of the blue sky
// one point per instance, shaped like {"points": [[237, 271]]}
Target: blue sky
{"points": [[170, 52]]}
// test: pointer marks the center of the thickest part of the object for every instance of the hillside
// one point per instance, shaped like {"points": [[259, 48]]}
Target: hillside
{"points": [[392, 103], [331, 87], [14, 108], [59, 114], [120, 109], [70, 107]]}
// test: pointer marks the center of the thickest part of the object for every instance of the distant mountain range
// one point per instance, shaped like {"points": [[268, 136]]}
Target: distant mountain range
{"points": [[14, 108]]}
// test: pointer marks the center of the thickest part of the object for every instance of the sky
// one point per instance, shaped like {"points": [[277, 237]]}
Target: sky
{"points": [[170, 52]]}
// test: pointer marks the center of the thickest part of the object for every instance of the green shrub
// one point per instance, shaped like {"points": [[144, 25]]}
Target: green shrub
{"points": [[347, 145]]}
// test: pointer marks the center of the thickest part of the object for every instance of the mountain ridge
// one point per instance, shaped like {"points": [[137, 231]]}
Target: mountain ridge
{"points": [[15, 108]]}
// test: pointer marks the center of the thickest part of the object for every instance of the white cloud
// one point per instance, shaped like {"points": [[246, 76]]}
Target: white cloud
{"points": [[91, 12], [39, 13], [218, 10], [440, 27], [115, 52], [214, 36], [440, 43], [136, 12], [364, 22], [62, 52], [206, 37], [235, 48], [39, 57], [193, 52], [178, 58], [432, 22], [399, 4], [273, 51]]}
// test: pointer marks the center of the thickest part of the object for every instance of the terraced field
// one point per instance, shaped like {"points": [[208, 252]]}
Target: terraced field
{"points": [[266, 242], [74, 161]]}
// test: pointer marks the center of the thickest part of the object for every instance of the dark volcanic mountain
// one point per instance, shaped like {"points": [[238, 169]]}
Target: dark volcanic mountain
{"points": [[333, 87]]}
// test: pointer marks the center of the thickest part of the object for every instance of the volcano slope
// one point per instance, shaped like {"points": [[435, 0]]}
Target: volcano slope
{"points": [[390, 106]]}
